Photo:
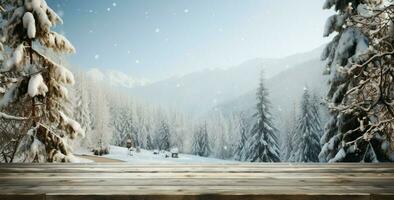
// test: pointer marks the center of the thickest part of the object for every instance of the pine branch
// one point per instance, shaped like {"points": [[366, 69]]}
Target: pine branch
{"points": [[10, 117]]}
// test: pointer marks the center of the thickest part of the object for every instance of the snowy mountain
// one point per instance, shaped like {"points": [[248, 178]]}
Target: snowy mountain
{"points": [[201, 91], [116, 78]]}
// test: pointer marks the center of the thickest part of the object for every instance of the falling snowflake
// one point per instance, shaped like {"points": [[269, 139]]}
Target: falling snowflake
{"points": [[90, 11], [108, 9], [157, 30], [96, 56], [115, 45], [128, 52], [114, 4], [137, 61], [186, 11]]}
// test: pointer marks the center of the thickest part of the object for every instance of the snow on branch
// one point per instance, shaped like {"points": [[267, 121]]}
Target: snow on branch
{"points": [[15, 60], [334, 23], [56, 148], [63, 75], [46, 16], [10, 117], [58, 43], [73, 125], [46, 61], [29, 24], [37, 86]]}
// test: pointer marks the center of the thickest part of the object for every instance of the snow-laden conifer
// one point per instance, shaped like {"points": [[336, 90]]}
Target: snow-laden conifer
{"points": [[306, 146], [37, 86], [262, 144], [359, 60]]}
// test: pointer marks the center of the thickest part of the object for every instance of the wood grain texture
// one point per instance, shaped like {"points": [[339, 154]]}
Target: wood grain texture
{"points": [[123, 181]]}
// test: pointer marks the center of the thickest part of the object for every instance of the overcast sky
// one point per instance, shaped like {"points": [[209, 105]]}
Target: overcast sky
{"points": [[155, 39]]}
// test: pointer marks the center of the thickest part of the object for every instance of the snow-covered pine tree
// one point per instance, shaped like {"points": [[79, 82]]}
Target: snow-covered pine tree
{"points": [[102, 129], [306, 146], [149, 143], [123, 124], [163, 136], [40, 84], [178, 130], [262, 145], [220, 126], [359, 60], [242, 128], [290, 126], [9, 125], [200, 144], [316, 107], [82, 105]]}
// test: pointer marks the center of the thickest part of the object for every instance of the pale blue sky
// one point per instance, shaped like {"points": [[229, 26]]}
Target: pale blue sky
{"points": [[160, 38]]}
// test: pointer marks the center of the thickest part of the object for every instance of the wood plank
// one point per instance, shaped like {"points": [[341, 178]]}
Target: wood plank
{"points": [[211, 197], [224, 165], [238, 181], [200, 190], [23, 197], [21, 176], [97, 169], [314, 182], [192, 197]]}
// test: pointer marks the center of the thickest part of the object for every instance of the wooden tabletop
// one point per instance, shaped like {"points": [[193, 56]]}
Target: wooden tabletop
{"points": [[206, 181]]}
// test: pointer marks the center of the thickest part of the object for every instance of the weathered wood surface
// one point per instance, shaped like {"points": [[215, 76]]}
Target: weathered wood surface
{"points": [[235, 181]]}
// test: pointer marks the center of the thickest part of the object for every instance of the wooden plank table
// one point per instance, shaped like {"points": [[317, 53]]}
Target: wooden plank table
{"points": [[205, 181]]}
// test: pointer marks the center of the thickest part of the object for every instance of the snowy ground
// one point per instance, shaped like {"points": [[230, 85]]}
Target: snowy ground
{"points": [[147, 157]]}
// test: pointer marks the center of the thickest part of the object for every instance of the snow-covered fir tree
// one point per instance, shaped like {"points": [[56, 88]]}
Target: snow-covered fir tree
{"points": [[82, 106], [38, 89], [149, 143], [306, 145], [262, 145], [163, 136], [359, 60], [102, 131], [220, 141], [242, 129], [178, 125], [123, 124], [200, 144], [290, 127]]}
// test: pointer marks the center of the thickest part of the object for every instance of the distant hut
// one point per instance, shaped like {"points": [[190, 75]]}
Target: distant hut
{"points": [[174, 152]]}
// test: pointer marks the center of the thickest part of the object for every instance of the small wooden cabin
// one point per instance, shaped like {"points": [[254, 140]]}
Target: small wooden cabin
{"points": [[174, 153]]}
